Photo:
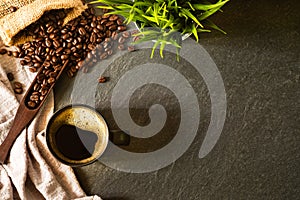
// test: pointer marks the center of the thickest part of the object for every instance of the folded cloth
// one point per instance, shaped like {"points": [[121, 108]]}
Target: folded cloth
{"points": [[31, 171]]}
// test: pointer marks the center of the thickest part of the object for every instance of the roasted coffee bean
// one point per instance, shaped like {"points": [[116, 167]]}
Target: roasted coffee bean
{"points": [[121, 40], [112, 27], [113, 18], [52, 36], [64, 57], [91, 47], [103, 56], [126, 34], [44, 91], [131, 48], [15, 54], [50, 29], [121, 47], [81, 31], [13, 9], [100, 27], [34, 97], [3, 51], [17, 84], [51, 80], [37, 65], [135, 38], [85, 69], [46, 64], [73, 69], [93, 38], [110, 23], [53, 74], [27, 58], [102, 79], [31, 104], [67, 51], [32, 69], [106, 16], [109, 52], [48, 43], [18, 90], [38, 58], [115, 36], [23, 62], [10, 76], [59, 49], [70, 73], [36, 87], [122, 28], [79, 46], [119, 21], [93, 24], [42, 98], [54, 59], [56, 43]]}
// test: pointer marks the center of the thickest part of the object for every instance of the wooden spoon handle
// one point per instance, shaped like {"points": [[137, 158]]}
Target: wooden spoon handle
{"points": [[23, 117]]}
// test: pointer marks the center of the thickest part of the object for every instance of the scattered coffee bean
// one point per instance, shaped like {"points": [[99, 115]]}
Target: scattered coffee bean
{"points": [[17, 84], [131, 48], [3, 51], [31, 104], [102, 79], [18, 90], [121, 47], [10, 76], [13, 9]]}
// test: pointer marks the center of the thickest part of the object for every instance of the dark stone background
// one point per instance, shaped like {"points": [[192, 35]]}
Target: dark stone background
{"points": [[257, 155]]}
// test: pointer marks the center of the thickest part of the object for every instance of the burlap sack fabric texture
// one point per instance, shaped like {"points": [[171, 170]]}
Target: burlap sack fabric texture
{"points": [[28, 12]]}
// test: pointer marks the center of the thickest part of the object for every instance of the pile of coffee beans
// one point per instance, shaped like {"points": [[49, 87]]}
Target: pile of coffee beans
{"points": [[78, 45]]}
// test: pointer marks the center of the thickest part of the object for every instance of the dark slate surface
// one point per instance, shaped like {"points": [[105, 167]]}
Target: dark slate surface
{"points": [[257, 155]]}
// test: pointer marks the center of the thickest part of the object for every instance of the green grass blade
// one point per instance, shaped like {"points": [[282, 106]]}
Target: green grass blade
{"points": [[214, 26], [206, 7], [195, 32], [190, 15], [191, 6], [162, 46], [154, 48]]}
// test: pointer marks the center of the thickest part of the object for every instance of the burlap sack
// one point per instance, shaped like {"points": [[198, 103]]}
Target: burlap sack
{"points": [[29, 11]]}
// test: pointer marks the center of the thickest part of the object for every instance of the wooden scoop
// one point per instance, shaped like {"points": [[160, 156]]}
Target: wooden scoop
{"points": [[23, 117]]}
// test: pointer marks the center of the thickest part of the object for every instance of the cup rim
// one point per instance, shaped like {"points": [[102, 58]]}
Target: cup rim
{"points": [[56, 114]]}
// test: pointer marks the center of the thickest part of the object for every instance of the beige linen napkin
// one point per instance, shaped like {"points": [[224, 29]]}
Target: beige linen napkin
{"points": [[31, 171]]}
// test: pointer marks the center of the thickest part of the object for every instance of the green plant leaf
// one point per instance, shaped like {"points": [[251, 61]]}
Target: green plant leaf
{"points": [[155, 12], [195, 32], [206, 7], [213, 26], [162, 46], [191, 6], [210, 12], [190, 15], [154, 48]]}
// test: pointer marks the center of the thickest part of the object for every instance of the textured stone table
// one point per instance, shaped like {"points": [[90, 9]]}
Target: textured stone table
{"points": [[257, 155]]}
